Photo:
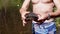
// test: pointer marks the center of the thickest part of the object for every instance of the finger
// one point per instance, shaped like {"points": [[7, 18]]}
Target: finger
{"points": [[24, 23], [39, 17], [23, 20], [28, 12], [23, 17]]}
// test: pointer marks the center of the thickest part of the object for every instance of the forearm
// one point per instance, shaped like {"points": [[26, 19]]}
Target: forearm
{"points": [[55, 14], [25, 6]]}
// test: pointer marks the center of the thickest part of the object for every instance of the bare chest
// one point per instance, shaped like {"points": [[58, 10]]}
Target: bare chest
{"points": [[42, 1]]}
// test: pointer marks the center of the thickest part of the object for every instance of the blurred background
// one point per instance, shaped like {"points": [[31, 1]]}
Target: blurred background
{"points": [[10, 18]]}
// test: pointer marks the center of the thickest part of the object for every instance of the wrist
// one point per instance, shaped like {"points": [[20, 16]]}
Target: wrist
{"points": [[52, 15], [49, 16], [22, 11]]}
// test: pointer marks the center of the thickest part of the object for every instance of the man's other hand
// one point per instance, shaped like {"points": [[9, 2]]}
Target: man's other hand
{"points": [[23, 17], [42, 18]]}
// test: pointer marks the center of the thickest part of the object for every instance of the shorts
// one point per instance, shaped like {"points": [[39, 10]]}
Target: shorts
{"points": [[44, 28]]}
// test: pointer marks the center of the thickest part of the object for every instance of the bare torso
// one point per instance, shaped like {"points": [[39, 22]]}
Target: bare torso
{"points": [[42, 6]]}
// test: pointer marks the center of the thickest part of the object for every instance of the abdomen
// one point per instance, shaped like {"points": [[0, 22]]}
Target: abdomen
{"points": [[42, 8]]}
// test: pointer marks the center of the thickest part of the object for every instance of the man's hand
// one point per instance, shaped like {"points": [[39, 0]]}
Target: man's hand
{"points": [[42, 18], [23, 17]]}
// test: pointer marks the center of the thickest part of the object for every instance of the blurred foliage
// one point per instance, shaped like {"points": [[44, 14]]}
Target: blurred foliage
{"points": [[10, 19], [10, 3]]}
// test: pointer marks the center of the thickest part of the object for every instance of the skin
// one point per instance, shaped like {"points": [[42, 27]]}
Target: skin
{"points": [[42, 8]]}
